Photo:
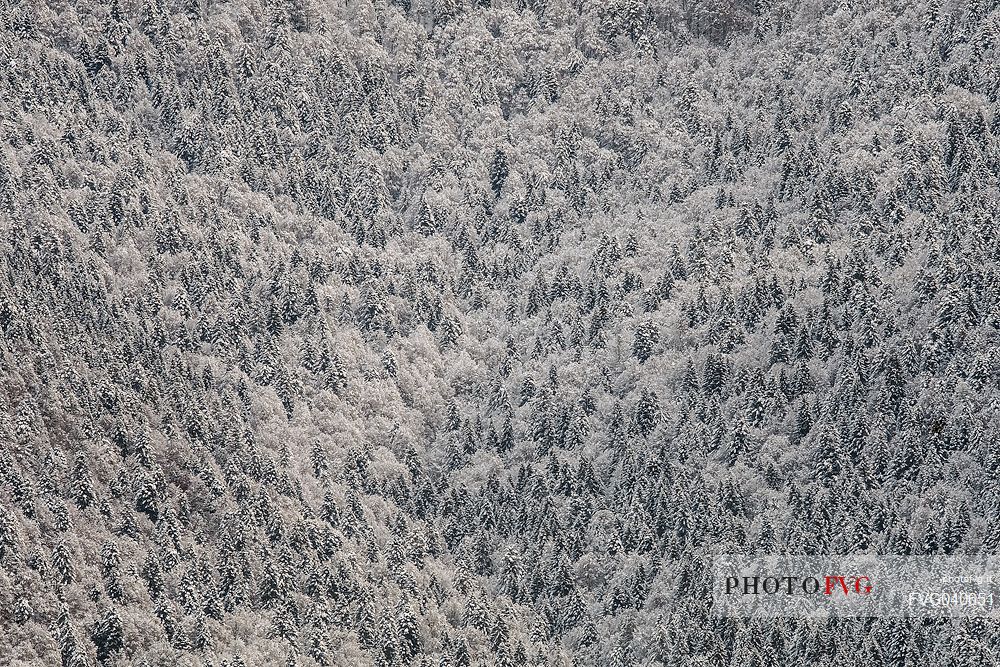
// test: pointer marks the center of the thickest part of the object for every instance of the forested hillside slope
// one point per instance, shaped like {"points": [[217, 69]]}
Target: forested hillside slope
{"points": [[457, 333]]}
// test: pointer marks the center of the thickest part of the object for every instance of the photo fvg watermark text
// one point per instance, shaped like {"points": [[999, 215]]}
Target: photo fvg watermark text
{"points": [[864, 586], [789, 585]]}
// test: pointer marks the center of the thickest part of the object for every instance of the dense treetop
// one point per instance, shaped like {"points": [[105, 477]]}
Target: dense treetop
{"points": [[461, 333]]}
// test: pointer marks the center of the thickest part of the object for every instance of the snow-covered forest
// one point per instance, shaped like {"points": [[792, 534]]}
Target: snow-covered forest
{"points": [[459, 333]]}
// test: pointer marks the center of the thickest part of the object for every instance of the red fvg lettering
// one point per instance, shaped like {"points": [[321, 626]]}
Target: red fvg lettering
{"points": [[860, 584], [831, 583]]}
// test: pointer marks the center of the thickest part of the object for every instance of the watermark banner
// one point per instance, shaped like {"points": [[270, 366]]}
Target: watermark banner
{"points": [[860, 586]]}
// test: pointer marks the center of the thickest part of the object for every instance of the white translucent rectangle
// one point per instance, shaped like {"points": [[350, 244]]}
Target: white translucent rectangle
{"points": [[859, 586]]}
